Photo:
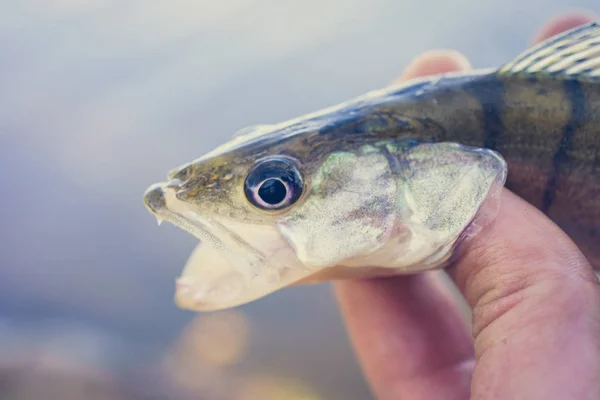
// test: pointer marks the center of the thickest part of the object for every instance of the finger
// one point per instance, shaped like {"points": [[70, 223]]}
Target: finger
{"points": [[535, 300], [435, 62], [562, 23], [409, 337], [536, 309], [408, 332]]}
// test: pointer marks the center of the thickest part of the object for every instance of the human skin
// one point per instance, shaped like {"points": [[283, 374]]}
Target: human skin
{"points": [[535, 304]]}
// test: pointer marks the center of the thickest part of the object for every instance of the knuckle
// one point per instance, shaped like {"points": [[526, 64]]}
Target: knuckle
{"points": [[505, 276]]}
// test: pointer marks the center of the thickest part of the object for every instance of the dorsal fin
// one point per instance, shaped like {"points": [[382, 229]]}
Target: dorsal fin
{"points": [[573, 54]]}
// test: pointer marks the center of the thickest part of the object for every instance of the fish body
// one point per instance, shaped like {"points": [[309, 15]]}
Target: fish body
{"points": [[392, 181]]}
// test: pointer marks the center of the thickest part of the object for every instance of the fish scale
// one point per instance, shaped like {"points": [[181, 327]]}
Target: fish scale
{"points": [[391, 181]]}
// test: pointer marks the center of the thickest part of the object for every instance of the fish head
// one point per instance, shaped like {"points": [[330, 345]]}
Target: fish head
{"points": [[273, 209], [232, 203], [233, 199]]}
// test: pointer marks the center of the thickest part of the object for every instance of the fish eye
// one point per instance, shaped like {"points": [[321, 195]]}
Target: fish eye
{"points": [[273, 184]]}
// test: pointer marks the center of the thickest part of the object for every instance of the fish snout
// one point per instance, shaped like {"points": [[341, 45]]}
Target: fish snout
{"points": [[154, 198]]}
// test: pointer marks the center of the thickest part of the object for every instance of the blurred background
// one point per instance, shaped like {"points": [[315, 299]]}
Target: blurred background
{"points": [[99, 99]]}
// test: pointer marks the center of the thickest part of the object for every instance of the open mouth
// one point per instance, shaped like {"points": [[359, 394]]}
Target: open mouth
{"points": [[225, 270], [162, 201]]}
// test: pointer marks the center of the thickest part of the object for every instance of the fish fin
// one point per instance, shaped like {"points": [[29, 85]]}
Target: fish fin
{"points": [[574, 54]]}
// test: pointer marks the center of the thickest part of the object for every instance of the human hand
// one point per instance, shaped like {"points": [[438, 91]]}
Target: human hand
{"points": [[535, 302]]}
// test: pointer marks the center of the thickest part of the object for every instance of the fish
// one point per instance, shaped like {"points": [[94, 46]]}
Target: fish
{"points": [[391, 182]]}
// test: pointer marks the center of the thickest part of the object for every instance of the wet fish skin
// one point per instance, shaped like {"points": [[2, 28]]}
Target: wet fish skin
{"points": [[541, 112], [546, 125], [547, 129]]}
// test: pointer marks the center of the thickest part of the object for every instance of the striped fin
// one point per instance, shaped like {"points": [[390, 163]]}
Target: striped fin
{"points": [[572, 54]]}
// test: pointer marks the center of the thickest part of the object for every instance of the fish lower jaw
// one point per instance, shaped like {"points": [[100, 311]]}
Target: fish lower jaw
{"points": [[162, 201], [221, 287], [205, 296]]}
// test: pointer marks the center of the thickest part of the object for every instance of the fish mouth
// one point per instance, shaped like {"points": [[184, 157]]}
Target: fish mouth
{"points": [[225, 270], [162, 201], [209, 283]]}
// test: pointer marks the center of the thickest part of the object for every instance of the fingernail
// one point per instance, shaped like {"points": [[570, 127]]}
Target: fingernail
{"points": [[435, 62], [564, 22]]}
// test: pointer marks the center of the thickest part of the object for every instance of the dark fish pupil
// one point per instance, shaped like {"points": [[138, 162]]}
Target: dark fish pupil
{"points": [[272, 191], [273, 184]]}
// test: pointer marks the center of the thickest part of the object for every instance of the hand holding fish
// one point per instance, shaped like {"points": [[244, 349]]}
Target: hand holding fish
{"points": [[397, 182], [535, 301]]}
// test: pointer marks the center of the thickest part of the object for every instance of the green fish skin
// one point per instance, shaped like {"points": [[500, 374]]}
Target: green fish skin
{"points": [[369, 165], [541, 112]]}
